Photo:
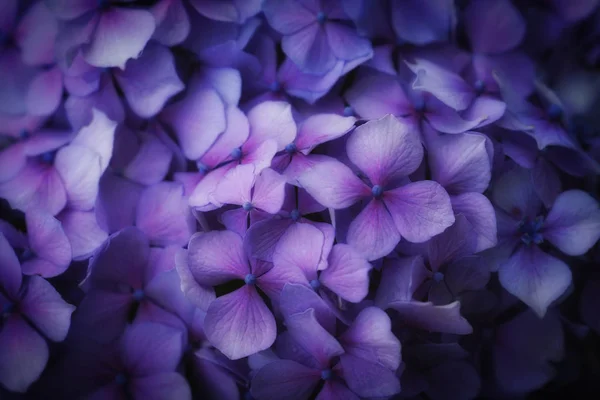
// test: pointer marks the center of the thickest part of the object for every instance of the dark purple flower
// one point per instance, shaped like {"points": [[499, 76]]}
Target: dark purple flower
{"points": [[572, 224], [32, 312]]}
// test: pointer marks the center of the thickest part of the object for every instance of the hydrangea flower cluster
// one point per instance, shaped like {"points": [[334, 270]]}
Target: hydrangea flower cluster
{"points": [[299, 199]]}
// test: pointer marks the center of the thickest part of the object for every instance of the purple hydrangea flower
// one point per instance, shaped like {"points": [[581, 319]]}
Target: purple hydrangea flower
{"points": [[386, 151], [572, 225]]}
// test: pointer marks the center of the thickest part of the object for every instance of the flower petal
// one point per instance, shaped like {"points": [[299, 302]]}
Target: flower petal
{"points": [[535, 277], [284, 376], [24, 354], [573, 223], [44, 307], [164, 385], [122, 259], [10, 274], [368, 379], [80, 169], [385, 149], [217, 257], [423, 23], [321, 128], [460, 163], [312, 337], [240, 324], [333, 184], [83, 231], [420, 210], [121, 34], [271, 120], [480, 213], [445, 85], [197, 120], [370, 337], [166, 344], [163, 215], [48, 241], [494, 26], [150, 80], [347, 274], [300, 247], [269, 191], [432, 318]]}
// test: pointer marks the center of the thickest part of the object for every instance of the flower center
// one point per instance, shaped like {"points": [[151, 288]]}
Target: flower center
{"points": [[554, 112], [419, 105], [530, 230], [275, 86], [479, 86], [7, 309], [291, 148], [315, 284], [48, 157], [120, 379], [438, 276], [202, 167], [348, 111], [247, 206], [326, 374], [138, 295], [321, 17], [26, 254], [295, 214], [377, 191], [250, 279], [236, 154]]}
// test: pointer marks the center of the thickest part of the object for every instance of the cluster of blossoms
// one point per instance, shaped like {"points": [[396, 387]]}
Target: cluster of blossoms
{"points": [[298, 199]]}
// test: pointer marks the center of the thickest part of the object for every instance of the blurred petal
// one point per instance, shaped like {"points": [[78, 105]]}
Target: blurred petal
{"points": [[368, 379], [165, 342], [83, 231], [573, 223], [163, 215], [535, 277], [150, 80], [432, 318], [423, 23], [165, 385], [44, 307], [10, 274], [80, 169], [284, 376], [494, 26], [48, 241], [370, 337], [447, 86], [24, 354], [121, 34]]}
